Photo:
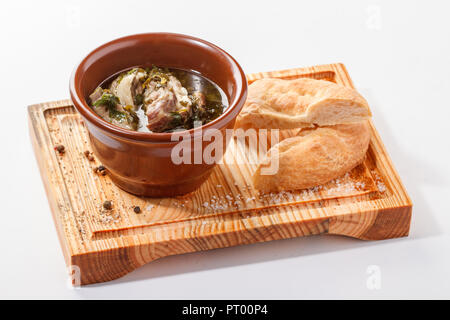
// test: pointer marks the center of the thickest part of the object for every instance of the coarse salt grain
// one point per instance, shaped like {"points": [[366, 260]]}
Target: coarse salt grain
{"points": [[381, 186]]}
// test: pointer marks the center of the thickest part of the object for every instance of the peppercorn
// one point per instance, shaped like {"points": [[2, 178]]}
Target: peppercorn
{"points": [[107, 204], [137, 209], [89, 155], [60, 148], [100, 170]]}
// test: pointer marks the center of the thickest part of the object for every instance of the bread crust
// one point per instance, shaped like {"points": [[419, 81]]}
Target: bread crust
{"points": [[301, 103], [315, 156]]}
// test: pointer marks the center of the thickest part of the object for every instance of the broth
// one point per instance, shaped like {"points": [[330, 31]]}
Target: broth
{"points": [[158, 99]]}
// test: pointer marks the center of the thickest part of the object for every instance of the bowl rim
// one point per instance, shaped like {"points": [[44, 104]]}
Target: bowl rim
{"points": [[86, 111]]}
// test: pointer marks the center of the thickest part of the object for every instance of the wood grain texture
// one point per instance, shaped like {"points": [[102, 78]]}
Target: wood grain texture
{"points": [[368, 203]]}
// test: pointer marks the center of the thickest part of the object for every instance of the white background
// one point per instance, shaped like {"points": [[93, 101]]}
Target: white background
{"points": [[397, 53]]}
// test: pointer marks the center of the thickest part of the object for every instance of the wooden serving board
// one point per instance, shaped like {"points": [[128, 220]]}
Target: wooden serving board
{"points": [[368, 203]]}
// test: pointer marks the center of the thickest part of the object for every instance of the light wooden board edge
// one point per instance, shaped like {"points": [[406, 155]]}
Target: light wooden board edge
{"points": [[107, 259]]}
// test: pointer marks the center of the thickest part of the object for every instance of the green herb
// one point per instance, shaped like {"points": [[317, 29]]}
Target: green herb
{"points": [[138, 99], [107, 99], [133, 119], [117, 115], [159, 74], [177, 119], [214, 109], [131, 71]]}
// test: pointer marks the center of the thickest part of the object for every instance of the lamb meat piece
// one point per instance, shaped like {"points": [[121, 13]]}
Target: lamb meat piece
{"points": [[107, 106], [128, 86], [122, 119], [168, 105], [97, 94], [180, 92], [159, 111]]}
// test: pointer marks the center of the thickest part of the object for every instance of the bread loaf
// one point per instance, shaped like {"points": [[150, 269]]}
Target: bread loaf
{"points": [[334, 134], [314, 157], [288, 104]]}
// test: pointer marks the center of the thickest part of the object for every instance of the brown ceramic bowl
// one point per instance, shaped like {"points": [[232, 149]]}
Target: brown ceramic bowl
{"points": [[140, 162]]}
